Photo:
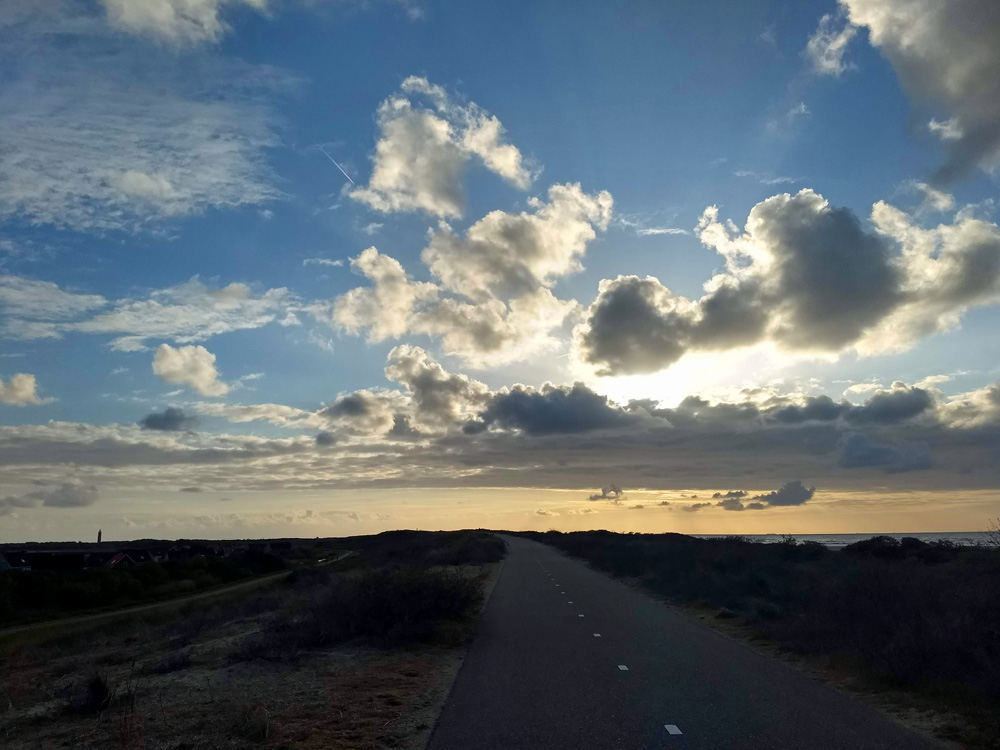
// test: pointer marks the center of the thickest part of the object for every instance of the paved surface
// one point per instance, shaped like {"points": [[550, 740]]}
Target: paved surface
{"points": [[537, 676]]}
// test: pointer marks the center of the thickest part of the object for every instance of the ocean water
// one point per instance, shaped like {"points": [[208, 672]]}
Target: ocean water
{"points": [[970, 538]]}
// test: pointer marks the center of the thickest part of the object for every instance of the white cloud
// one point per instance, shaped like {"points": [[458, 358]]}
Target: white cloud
{"points": [[826, 47], [193, 366], [29, 306], [21, 390], [422, 152], [322, 262], [101, 133], [947, 55], [177, 21], [863, 388], [935, 199], [949, 130], [186, 313], [656, 231], [494, 332], [493, 303], [505, 255], [946, 270], [386, 309], [972, 409], [277, 414], [766, 178], [440, 398]]}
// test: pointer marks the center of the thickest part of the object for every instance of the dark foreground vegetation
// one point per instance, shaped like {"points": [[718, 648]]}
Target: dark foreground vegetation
{"points": [[28, 595], [400, 587], [924, 617], [354, 654]]}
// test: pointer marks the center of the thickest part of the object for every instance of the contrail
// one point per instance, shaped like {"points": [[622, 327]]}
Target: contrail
{"points": [[338, 166]]}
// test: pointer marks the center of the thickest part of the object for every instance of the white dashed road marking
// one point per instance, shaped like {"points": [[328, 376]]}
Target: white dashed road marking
{"points": [[597, 635], [579, 615], [569, 602], [672, 729], [623, 668]]}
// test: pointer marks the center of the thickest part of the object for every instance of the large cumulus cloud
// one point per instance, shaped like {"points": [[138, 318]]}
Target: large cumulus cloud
{"points": [[492, 301], [946, 55], [423, 150], [804, 276], [550, 410]]}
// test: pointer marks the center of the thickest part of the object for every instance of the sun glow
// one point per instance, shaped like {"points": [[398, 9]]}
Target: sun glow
{"points": [[712, 376]]}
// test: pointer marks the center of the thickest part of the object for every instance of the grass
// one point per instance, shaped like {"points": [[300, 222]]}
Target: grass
{"points": [[356, 654]]}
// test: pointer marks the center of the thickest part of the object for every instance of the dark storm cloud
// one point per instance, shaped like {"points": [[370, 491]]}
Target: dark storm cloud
{"points": [[857, 451], [892, 407], [170, 419], [358, 404], [190, 489], [325, 438], [551, 410], [886, 407], [815, 408], [635, 325]]}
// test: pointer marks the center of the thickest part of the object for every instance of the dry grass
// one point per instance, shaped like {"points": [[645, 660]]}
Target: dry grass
{"points": [[167, 685]]}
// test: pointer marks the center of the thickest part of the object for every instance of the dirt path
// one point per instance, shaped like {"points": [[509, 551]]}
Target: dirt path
{"points": [[127, 611]]}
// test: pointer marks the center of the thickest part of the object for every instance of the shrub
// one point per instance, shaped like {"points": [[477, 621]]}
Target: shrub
{"points": [[252, 722], [400, 606], [916, 613], [97, 694], [388, 607]]}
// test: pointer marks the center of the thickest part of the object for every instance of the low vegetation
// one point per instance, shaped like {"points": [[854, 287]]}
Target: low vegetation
{"points": [[29, 595], [355, 654], [921, 617]]}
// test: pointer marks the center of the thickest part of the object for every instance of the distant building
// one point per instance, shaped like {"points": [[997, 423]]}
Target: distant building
{"points": [[14, 561], [139, 555], [120, 561]]}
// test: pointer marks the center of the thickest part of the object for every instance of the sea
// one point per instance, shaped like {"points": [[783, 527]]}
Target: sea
{"points": [[836, 541]]}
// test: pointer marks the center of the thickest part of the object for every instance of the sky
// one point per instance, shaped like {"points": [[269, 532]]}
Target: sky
{"points": [[328, 267]]}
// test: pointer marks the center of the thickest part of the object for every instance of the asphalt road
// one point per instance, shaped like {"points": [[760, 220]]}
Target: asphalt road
{"points": [[568, 659]]}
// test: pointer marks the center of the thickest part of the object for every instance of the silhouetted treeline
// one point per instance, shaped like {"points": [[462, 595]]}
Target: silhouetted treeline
{"points": [[915, 614]]}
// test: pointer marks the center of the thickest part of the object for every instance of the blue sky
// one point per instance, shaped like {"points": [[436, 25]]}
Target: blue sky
{"points": [[175, 234]]}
